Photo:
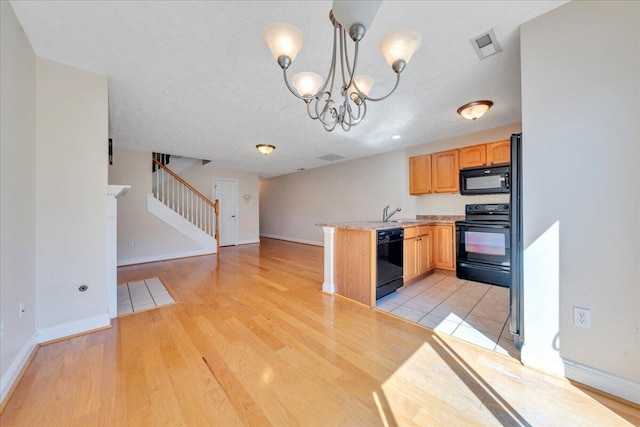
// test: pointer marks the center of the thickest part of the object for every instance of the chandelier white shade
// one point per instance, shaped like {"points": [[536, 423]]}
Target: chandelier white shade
{"points": [[283, 40], [474, 110], [400, 45], [307, 83], [341, 99]]}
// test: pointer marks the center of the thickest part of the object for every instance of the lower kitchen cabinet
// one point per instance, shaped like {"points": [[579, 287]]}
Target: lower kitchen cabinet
{"points": [[444, 246], [418, 248]]}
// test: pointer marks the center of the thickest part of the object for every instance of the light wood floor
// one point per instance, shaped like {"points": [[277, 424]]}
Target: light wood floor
{"points": [[253, 341]]}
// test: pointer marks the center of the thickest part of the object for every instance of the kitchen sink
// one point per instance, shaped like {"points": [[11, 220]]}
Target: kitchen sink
{"points": [[406, 221]]}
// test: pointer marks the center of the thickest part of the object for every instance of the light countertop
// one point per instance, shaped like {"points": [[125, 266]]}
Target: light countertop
{"points": [[394, 223]]}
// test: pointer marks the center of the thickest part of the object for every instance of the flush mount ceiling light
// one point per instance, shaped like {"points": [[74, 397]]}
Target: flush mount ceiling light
{"points": [[265, 149], [285, 40], [474, 110]]}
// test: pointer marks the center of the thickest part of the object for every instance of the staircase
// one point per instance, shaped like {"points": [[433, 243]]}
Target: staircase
{"points": [[180, 205]]}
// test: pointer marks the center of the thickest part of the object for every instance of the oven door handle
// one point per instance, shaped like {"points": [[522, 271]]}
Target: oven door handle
{"points": [[457, 242], [468, 225]]}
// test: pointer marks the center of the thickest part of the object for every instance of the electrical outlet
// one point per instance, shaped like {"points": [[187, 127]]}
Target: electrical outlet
{"points": [[582, 317], [1, 328], [132, 243]]}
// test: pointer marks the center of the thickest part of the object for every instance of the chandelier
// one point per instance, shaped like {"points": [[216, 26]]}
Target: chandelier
{"points": [[346, 106]]}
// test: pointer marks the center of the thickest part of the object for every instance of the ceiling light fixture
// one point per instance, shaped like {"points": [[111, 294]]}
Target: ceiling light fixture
{"points": [[474, 110], [285, 40], [396, 137], [265, 149]]}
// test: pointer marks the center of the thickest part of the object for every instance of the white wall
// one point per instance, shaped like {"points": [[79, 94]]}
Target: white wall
{"points": [[152, 238], [201, 178], [359, 189], [71, 201], [580, 95], [17, 195]]}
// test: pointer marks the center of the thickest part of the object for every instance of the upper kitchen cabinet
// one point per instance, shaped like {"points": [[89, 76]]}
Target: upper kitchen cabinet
{"points": [[420, 175], [474, 156], [498, 152], [446, 169]]}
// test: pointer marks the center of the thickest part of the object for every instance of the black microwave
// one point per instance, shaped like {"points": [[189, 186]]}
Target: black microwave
{"points": [[485, 180]]}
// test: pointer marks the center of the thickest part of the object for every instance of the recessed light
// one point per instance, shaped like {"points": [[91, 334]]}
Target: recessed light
{"points": [[396, 137]]}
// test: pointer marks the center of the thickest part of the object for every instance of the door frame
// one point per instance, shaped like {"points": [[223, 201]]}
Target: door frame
{"points": [[235, 181]]}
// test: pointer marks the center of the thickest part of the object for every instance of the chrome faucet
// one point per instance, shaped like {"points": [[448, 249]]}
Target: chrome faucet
{"points": [[386, 216]]}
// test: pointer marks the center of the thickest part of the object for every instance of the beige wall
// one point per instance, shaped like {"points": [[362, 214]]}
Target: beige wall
{"points": [[151, 237], [580, 98], [17, 194], [201, 178], [358, 190], [71, 202]]}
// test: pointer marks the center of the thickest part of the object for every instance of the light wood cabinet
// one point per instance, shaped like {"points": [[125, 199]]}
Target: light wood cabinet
{"points": [[418, 248], [420, 175], [474, 156], [355, 265], [444, 246], [446, 169], [410, 259], [498, 152]]}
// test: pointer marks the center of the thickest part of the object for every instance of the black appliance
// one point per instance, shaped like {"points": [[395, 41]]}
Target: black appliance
{"points": [[483, 244], [390, 245], [516, 320], [485, 180]]}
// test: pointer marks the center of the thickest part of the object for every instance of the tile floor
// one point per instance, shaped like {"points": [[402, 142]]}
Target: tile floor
{"points": [[142, 295], [472, 311]]}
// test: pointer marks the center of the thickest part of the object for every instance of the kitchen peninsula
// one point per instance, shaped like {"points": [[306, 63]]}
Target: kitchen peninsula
{"points": [[350, 253]]}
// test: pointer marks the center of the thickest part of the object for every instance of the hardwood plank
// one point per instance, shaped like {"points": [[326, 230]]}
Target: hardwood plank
{"points": [[281, 352]]}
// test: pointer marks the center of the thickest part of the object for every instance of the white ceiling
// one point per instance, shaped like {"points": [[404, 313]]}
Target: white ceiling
{"points": [[194, 78]]}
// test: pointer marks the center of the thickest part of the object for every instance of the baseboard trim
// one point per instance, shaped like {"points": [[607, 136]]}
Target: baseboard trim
{"points": [[292, 239], [73, 328], [600, 380], [248, 242], [542, 361], [17, 367], [165, 257], [604, 381]]}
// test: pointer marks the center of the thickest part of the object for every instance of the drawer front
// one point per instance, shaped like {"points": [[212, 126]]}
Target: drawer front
{"points": [[410, 232], [424, 230]]}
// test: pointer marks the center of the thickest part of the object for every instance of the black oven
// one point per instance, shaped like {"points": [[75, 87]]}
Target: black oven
{"points": [[483, 244]]}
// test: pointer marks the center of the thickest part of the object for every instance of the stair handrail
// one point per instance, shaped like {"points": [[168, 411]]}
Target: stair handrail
{"points": [[215, 205], [185, 183]]}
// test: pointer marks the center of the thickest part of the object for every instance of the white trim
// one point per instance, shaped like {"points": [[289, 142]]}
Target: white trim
{"points": [[161, 211], [16, 366], [165, 257], [72, 328], [292, 239], [248, 242], [609, 383], [328, 285], [542, 360]]}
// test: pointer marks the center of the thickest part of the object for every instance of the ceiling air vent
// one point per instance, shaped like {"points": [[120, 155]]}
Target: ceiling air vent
{"points": [[486, 44], [331, 157]]}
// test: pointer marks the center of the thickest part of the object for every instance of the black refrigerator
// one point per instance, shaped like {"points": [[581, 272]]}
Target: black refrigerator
{"points": [[516, 322]]}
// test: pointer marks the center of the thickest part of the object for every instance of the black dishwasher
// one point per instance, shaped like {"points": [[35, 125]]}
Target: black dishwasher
{"points": [[389, 261]]}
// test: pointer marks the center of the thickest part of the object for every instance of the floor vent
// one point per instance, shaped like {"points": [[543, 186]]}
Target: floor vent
{"points": [[486, 44]]}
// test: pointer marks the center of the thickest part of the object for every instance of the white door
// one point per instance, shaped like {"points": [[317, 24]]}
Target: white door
{"points": [[226, 190]]}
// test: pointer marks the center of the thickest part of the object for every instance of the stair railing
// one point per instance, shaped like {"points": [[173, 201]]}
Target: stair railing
{"points": [[182, 198]]}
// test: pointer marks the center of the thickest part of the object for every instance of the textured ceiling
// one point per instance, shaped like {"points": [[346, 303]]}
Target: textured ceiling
{"points": [[195, 79]]}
